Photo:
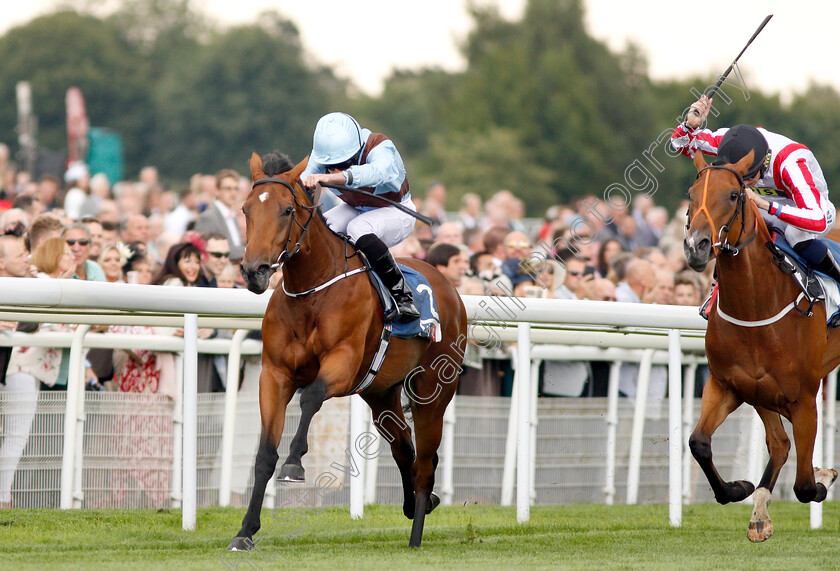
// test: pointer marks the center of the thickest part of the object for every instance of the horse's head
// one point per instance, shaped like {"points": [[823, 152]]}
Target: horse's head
{"points": [[716, 209], [274, 207]]}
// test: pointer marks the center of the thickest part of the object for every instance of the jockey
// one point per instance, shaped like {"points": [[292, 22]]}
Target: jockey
{"points": [[785, 180], [344, 153]]}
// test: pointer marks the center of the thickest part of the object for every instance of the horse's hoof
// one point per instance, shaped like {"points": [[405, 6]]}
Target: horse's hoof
{"points": [[760, 531], [241, 544], [434, 501], [291, 473], [408, 511], [825, 476]]}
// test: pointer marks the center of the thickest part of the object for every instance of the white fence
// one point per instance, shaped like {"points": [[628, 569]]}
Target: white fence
{"points": [[556, 329]]}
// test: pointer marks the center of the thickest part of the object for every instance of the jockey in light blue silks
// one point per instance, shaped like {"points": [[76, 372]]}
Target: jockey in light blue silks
{"points": [[344, 153]]}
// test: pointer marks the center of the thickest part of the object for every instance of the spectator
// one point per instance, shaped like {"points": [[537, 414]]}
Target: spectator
{"points": [[221, 215], [96, 236], [48, 187], [640, 285], [597, 289], [112, 259], [577, 272], [452, 261], [434, 205], [663, 289], [77, 179], [135, 228], [494, 242], [607, 250], [137, 268], [30, 204], [77, 236], [18, 381], [470, 212], [43, 227], [53, 259], [687, 290], [227, 277], [638, 282], [182, 266], [449, 233], [218, 257], [178, 220], [11, 218]]}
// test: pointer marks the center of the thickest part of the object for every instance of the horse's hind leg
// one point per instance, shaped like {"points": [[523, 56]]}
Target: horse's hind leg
{"points": [[718, 403], [275, 394], [778, 447], [390, 422], [428, 427], [311, 400], [811, 483]]}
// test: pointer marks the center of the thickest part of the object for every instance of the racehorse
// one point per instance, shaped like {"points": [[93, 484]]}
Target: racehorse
{"points": [[324, 342], [762, 346]]}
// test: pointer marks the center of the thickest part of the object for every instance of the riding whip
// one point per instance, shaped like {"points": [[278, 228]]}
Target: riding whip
{"points": [[418, 216], [731, 65]]}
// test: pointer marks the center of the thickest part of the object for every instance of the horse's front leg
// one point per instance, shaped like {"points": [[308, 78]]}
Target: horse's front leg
{"points": [[275, 393], [333, 379], [811, 483], [778, 447], [311, 400], [718, 403]]}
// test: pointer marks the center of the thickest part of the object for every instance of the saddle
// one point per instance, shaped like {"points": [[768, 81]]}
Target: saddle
{"points": [[428, 326]]}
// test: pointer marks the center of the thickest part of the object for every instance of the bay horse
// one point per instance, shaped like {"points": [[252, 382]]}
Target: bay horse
{"points": [[762, 347], [324, 343]]}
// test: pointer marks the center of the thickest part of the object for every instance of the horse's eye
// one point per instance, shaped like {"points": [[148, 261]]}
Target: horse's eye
{"points": [[733, 196], [288, 211]]}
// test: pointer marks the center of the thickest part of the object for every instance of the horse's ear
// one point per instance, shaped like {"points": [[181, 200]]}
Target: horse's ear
{"points": [[699, 161], [742, 166], [256, 165], [299, 168]]}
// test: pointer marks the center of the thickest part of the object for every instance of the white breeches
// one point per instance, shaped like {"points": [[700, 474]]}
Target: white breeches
{"points": [[390, 224]]}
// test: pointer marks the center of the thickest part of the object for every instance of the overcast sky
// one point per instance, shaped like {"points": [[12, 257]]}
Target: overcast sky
{"points": [[366, 39]]}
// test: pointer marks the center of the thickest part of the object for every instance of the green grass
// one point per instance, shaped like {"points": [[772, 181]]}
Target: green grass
{"points": [[457, 537]]}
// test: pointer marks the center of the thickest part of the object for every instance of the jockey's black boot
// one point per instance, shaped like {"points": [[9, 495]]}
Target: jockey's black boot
{"points": [[817, 254], [829, 267], [386, 268]]}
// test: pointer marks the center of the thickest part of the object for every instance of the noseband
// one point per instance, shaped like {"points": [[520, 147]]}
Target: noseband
{"points": [[286, 253], [723, 234]]}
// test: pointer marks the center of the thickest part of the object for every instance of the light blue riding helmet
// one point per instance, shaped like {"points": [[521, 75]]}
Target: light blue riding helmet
{"points": [[337, 138]]}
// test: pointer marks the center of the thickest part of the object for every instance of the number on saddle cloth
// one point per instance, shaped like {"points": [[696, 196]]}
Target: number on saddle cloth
{"points": [[428, 326]]}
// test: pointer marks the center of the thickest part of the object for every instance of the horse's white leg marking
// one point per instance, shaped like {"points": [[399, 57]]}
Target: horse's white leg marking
{"points": [[825, 476], [761, 528]]}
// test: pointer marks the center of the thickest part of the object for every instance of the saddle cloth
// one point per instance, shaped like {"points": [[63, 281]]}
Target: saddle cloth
{"points": [[830, 288], [428, 326]]}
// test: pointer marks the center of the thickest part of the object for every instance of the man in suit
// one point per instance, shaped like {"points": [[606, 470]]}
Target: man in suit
{"points": [[221, 215]]}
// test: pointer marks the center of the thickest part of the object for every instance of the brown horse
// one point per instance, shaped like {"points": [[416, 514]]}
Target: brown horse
{"points": [[324, 343], [763, 348]]}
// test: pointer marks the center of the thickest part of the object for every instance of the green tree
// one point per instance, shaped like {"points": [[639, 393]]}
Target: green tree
{"points": [[66, 49], [248, 88]]}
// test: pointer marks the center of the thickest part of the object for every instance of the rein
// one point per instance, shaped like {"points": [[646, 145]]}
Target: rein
{"points": [[723, 244], [286, 254]]}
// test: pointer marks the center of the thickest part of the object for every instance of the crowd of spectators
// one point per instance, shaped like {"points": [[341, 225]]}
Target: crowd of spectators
{"points": [[143, 232]]}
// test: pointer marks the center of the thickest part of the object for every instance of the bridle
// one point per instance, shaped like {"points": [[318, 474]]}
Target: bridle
{"points": [[723, 244], [286, 253]]}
